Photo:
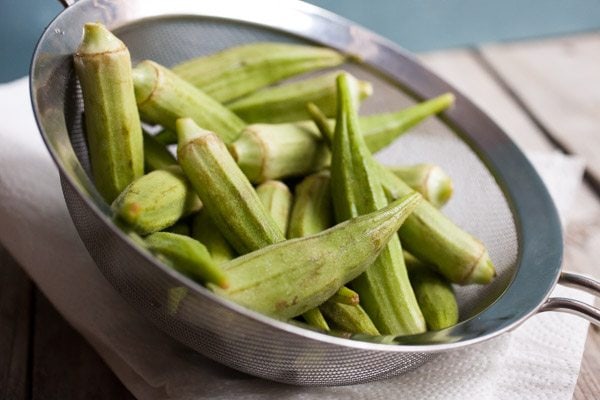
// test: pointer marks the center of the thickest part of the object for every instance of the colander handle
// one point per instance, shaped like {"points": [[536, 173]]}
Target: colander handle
{"points": [[573, 306]]}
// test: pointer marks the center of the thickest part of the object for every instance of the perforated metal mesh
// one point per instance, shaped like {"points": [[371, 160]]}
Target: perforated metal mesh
{"points": [[215, 328]]}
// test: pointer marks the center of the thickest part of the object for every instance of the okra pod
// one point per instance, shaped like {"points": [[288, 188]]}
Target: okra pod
{"points": [[240, 70], [286, 279], [428, 179], [156, 155], [205, 231], [267, 151], [187, 256], [312, 210], [433, 238], [277, 199], [226, 193], [346, 296], [163, 97], [315, 318], [434, 294], [348, 318], [384, 288], [156, 200], [287, 102], [113, 129]]}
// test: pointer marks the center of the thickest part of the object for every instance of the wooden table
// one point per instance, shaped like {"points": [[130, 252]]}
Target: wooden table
{"points": [[546, 96]]}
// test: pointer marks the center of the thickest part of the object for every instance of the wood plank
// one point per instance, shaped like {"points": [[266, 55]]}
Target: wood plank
{"points": [[15, 311], [65, 366], [464, 70], [558, 81]]}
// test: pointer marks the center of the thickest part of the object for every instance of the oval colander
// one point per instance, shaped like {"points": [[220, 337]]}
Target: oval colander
{"points": [[499, 196]]}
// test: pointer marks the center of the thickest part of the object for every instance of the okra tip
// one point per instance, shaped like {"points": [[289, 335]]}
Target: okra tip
{"points": [[98, 39], [188, 130], [439, 186], [483, 272]]}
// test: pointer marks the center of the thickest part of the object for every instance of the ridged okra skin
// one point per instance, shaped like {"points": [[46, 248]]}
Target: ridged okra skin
{"points": [[156, 155], [163, 97], [226, 193], [315, 318], [156, 200], [430, 180], [289, 278], [384, 288], [240, 70], [187, 256], [287, 102], [312, 211], [348, 318], [433, 238], [276, 197], [113, 129], [206, 232], [434, 294]]}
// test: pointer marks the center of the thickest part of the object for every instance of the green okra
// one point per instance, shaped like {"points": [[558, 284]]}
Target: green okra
{"points": [[113, 129], [277, 200], [384, 288], [347, 318], [287, 102], [434, 294], [312, 210], [240, 70], [166, 137], [156, 200], [380, 130], [163, 97], [286, 279], [205, 231], [156, 155], [315, 318], [428, 179], [187, 256], [346, 296], [433, 238], [276, 151], [268, 151], [226, 193]]}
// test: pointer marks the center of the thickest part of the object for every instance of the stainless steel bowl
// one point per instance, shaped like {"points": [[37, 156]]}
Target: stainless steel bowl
{"points": [[500, 198]]}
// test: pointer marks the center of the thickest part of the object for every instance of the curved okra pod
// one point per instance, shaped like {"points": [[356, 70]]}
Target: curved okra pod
{"points": [[287, 279], [156, 155], [163, 97], [287, 102], [315, 318], [205, 231], [226, 193], [113, 129], [432, 237], [348, 318], [428, 179], [277, 200], [240, 70], [434, 294], [156, 200], [187, 256], [384, 288]]}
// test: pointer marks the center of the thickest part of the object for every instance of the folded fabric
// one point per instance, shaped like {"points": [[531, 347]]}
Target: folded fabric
{"points": [[540, 359]]}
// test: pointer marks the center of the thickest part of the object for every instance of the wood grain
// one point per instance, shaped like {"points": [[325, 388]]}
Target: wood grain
{"points": [[558, 80], [464, 69], [64, 365], [15, 311]]}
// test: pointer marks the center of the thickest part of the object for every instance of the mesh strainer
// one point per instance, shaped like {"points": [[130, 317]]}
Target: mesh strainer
{"points": [[499, 196]]}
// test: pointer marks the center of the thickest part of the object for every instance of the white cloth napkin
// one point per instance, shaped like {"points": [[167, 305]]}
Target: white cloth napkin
{"points": [[539, 360]]}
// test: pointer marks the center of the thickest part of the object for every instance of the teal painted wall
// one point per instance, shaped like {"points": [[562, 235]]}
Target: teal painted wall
{"points": [[418, 25]]}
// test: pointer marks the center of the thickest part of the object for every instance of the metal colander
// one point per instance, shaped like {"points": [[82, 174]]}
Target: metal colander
{"points": [[499, 197]]}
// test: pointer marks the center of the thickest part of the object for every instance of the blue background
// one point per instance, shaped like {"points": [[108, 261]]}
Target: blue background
{"points": [[418, 25]]}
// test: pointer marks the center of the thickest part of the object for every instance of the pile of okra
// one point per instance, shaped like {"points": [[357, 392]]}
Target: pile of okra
{"points": [[274, 199]]}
